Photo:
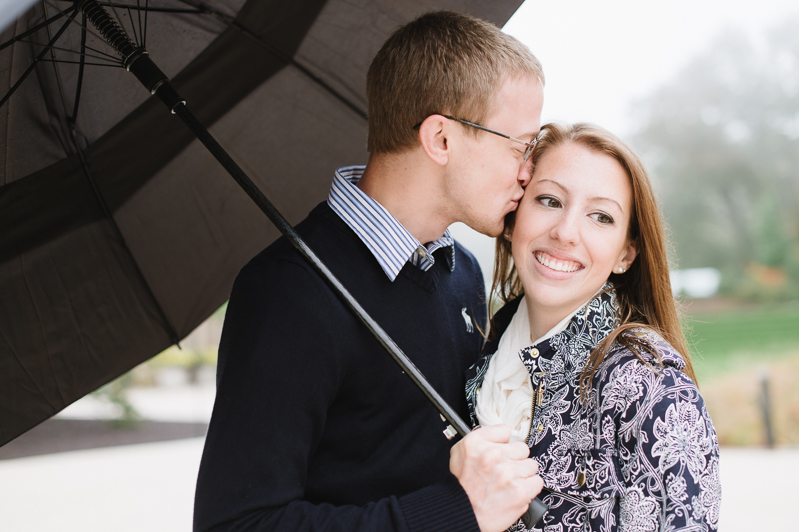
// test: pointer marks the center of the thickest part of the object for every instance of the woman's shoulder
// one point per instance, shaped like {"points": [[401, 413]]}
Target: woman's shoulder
{"points": [[646, 386], [645, 347], [645, 361]]}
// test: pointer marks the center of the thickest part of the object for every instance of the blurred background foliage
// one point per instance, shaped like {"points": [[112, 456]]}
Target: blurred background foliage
{"points": [[723, 140]]}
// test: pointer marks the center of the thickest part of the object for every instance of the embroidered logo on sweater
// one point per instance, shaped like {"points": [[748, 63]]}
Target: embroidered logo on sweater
{"points": [[468, 320]]}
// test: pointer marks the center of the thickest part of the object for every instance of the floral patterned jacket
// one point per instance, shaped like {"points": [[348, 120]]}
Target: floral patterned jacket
{"points": [[641, 454]]}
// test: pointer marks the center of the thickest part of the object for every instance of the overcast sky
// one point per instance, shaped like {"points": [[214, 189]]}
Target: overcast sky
{"points": [[599, 56]]}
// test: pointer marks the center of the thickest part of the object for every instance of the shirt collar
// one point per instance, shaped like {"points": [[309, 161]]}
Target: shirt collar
{"points": [[390, 243]]}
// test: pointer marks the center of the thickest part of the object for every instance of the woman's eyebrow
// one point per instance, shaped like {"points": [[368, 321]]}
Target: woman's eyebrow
{"points": [[554, 183], [596, 198], [602, 198]]}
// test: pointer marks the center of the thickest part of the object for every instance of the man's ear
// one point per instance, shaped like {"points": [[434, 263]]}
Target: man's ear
{"points": [[434, 137]]}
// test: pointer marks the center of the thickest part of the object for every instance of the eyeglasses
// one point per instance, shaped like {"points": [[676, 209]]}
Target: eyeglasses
{"points": [[529, 145]]}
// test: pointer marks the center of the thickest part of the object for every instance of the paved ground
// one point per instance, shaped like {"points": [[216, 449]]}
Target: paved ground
{"points": [[136, 488], [150, 486]]}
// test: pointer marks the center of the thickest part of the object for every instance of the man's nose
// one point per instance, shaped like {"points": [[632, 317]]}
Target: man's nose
{"points": [[525, 173]]}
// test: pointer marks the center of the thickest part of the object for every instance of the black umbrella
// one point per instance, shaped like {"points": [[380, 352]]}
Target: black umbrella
{"points": [[119, 235], [102, 258]]}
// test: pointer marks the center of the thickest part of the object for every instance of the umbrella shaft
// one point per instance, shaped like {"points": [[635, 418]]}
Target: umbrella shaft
{"points": [[537, 508], [138, 62], [285, 228]]}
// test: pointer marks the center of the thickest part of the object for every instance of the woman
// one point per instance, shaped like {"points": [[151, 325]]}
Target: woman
{"points": [[591, 369]]}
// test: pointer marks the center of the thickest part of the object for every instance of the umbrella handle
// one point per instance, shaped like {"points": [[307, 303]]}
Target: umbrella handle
{"points": [[534, 512]]}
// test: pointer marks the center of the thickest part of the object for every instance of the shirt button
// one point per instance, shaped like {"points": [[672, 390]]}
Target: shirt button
{"points": [[540, 428], [581, 478], [534, 352], [640, 334]]}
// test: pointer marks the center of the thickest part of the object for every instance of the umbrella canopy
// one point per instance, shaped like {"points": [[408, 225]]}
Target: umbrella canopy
{"points": [[119, 233]]}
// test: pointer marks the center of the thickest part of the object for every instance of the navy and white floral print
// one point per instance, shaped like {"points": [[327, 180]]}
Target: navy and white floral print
{"points": [[639, 454]]}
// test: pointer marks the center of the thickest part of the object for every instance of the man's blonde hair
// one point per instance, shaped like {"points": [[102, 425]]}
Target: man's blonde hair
{"points": [[442, 62]]}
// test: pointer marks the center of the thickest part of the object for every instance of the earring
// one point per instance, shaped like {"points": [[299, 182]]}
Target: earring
{"points": [[621, 270]]}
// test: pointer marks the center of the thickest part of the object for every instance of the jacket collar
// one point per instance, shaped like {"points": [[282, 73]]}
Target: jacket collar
{"points": [[587, 328]]}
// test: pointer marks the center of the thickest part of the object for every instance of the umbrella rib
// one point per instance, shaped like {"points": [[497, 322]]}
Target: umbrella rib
{"points": [[79, 85], [55, 69], [147, 9], [118, 232], [22, 365], [231, 22], [107, 57], [138, 14], [83, 24], [38, 59], [121, 25], [110, 56], [133, 27], [114, 65], [144, 32], [36, 28]]}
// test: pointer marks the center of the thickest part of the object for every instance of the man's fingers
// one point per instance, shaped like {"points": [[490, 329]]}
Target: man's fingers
{"points": [[534, 485], [500, 434], [525, 468], [482, 447], [516, 451], [493, 433]]}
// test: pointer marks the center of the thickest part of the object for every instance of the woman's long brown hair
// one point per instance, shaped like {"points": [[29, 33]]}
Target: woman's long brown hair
{"points": [[643, 292]]}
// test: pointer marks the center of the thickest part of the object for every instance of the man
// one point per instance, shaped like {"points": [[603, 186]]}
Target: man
{"points": [[314, 426]]}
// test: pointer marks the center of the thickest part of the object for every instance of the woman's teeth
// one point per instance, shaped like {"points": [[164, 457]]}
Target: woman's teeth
{"points": [[555, 264]]}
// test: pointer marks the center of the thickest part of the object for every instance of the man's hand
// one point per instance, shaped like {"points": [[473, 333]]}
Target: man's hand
{"points": [[497, 476]]}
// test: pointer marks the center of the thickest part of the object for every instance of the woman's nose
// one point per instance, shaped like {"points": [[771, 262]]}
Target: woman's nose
{"points": [[566, 229]]}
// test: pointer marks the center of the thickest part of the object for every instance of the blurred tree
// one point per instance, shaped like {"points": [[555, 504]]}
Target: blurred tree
{"points": [[723, 141], [116, 393]]}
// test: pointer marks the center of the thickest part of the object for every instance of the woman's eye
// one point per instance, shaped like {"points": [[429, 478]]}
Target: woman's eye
{"points": [[602, 218], [549, 201]]}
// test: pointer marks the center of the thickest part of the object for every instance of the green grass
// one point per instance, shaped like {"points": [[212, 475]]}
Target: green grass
{"points": [[724, 341]]}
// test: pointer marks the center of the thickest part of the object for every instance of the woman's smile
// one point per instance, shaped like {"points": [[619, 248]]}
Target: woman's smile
{"points": [[555, 264]]}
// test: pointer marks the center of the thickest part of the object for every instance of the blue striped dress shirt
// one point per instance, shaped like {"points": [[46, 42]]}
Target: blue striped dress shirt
{"points": [[390, 243]]}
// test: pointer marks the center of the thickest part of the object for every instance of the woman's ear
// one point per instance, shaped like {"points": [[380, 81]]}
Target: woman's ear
{"points": [[434, 137], [627, 257]]}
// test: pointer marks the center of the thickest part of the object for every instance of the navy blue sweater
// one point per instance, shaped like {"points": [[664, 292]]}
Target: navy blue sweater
{"points": [[314, 426]]}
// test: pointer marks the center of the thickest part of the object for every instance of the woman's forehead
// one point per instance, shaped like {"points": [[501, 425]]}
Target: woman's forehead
{"points": [[581, 171]]}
